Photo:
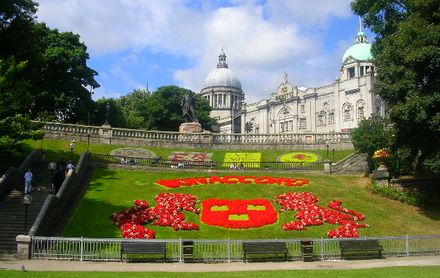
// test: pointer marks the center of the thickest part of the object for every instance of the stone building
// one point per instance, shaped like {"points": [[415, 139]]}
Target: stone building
{"points": [[334, 107]]}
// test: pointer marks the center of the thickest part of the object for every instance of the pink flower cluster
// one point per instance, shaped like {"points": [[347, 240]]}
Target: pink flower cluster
{"points": [[311, 214], [167, 212]]}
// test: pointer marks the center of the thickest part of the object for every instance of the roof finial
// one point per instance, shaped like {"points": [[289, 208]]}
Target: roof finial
{"points": [[360, 24], [285, 78], [222, 60]]}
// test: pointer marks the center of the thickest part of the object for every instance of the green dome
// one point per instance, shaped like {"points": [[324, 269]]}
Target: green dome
{"points": [[361, 50]]}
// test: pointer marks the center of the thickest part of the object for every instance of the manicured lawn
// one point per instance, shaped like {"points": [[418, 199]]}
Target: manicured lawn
{"points": [[425, 271], [59, 150], [114, 190]]}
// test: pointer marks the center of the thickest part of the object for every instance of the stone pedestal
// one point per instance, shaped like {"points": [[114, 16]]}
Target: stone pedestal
{"points": [[381, 174], [23, 247], [190, 128]]}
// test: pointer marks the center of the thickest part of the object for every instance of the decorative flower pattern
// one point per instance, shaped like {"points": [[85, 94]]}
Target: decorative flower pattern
{"points": [[299, 157], [238, 214], [311, 214], [176, 183], [167, 212]]}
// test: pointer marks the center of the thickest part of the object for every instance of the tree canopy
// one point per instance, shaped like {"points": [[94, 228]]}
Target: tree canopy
{"points": [[407, 57], [43, 72]]}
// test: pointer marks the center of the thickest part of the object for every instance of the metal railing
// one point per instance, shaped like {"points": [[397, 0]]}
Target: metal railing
{"points": [[164, 163], [96, 249]]}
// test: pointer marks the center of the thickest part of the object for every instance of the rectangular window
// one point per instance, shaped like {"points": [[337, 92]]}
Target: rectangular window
{"points": [[303, 108], [362, 71], [302, 123], [331, 118], [351, 72]]}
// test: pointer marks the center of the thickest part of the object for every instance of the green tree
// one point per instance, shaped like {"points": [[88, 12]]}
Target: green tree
{"points": [[164, 111], [407, 57], [132, 106], [372, 134]]}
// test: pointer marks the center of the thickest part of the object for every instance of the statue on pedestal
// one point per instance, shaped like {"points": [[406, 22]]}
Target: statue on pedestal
{"points": [[188, 110]]}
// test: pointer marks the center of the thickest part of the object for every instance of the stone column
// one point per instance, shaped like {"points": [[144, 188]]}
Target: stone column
{"points": [[23, 247]]}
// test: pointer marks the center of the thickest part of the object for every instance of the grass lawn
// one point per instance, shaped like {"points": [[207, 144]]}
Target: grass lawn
{"points": [[113, 190], [425, 271], [59, 150]]}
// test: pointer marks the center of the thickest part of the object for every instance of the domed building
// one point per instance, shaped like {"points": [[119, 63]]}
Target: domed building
{"points": [[336, 107], [222, 90]]}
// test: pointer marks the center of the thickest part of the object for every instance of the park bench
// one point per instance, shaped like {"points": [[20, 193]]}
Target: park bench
{"points": [[264, 247], [143, 248], [369, 245]]}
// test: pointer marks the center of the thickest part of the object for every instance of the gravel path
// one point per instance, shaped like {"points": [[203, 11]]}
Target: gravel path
{"points": [[46, 265]]}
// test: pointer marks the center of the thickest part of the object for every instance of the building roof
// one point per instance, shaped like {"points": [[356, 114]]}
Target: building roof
{"points": [[222, 76], [360, 51]]}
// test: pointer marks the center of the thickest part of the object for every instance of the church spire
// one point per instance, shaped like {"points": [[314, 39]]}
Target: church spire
{"points": [[222, 60], [361, 36]]}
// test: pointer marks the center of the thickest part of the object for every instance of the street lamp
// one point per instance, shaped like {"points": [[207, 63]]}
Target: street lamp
{"points": [[27, 200], [327, 146], [52, 167], [71, 148]]}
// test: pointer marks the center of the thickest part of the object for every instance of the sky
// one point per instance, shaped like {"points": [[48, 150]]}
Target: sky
{"points": [[139, 44]]}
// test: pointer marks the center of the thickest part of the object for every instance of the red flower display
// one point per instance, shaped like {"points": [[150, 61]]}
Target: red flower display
{"points": [[310, 214], [176, 183], [167, 212], [238, 214]]}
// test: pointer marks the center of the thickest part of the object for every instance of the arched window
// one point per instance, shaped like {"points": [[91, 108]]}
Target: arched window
{"points": [[360, 109], [347, 112]]}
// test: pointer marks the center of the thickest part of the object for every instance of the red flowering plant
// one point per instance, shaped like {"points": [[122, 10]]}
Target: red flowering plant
{"points": [[238, 214], [311, 214], [167, 212], [381, 155], [180, 182]]}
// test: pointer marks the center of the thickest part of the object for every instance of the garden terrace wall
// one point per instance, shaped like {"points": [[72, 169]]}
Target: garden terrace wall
{"points": [[166, 139]]}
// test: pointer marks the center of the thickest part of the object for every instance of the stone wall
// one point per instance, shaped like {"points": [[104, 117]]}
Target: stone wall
{"points": [[13, 178], [164, 139], [353, 164], [56, 206]]}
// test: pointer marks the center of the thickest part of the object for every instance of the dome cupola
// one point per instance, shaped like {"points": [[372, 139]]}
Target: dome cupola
{"points": [[222, 76], [361, 50]]}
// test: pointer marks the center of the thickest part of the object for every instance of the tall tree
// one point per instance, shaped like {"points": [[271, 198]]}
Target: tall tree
{"points": [[132, 107], [407, 55]]}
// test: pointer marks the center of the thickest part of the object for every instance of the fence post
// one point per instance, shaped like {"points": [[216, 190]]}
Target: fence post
{"points": [[180, 250], [81, 249], [322, 249], [228, 250], [407, 245]]}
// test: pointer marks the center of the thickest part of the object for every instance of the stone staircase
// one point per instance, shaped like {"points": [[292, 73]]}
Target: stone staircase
{"points": [[12, 209]]}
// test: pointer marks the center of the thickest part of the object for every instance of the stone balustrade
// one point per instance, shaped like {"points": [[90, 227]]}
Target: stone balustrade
{"points": [[137, 137]]}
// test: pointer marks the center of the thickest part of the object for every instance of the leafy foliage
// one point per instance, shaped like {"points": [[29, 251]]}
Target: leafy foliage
{"points": [[407, 55], [372, 134]]}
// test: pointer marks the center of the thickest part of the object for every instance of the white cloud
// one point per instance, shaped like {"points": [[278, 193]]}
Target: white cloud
{"points": [[261, 40]]}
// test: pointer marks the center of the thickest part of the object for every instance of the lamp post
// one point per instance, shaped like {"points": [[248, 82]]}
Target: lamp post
{"points": [[27, 200], [52, 167], [71, 148], [327, 146]]}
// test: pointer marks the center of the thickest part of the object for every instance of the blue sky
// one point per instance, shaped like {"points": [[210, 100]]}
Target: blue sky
{"points": [[138, 43]]}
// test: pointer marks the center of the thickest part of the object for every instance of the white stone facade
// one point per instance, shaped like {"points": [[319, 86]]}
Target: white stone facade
{"points": [[336, 107]]}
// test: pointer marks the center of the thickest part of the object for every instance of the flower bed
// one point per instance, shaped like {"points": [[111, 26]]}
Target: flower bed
{"points": [[242, 160], [311, 214], [299, 157], [238, 214], [176, 183], [167, 212], [190, 156]]}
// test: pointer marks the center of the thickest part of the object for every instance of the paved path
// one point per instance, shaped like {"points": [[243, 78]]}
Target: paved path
{"points": [[46, 265]]}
